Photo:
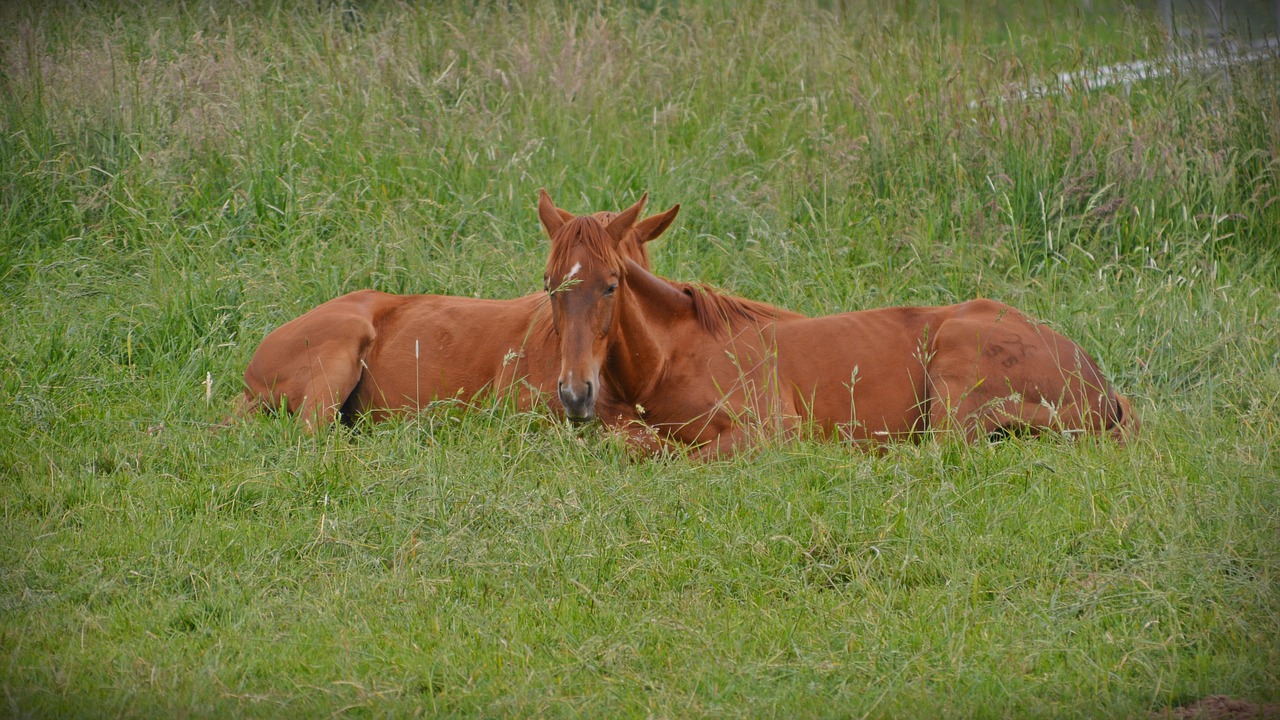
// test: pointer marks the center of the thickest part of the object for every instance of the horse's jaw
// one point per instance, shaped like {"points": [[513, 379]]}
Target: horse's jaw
{"points": [[579, 416]]}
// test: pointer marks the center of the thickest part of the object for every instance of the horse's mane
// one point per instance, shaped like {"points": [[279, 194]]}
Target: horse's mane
{"points": [[542, 326], [714, 309]]}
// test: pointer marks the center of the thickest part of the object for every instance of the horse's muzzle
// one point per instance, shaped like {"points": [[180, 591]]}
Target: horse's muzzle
{"points": [[579, 403]]}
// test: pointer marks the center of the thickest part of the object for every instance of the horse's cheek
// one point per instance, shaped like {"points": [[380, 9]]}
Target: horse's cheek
{"points": [[606, 319]]}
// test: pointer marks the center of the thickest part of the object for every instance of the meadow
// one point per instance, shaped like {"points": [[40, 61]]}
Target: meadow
{"points": [[179, 178]]}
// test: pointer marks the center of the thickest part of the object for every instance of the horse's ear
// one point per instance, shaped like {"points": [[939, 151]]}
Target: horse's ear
{"points": [[549, 214], [654, 225], [619, 226]]}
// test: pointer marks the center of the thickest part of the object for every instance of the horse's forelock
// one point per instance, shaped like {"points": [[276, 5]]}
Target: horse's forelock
{"points": [[586, 232]]}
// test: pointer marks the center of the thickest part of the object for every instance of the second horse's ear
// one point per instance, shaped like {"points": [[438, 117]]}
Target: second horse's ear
{"points": [[619, 226], [552, 217], [654, 225]]}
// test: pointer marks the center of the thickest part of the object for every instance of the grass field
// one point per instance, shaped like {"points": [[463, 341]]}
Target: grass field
{"points": [[179, 179]]}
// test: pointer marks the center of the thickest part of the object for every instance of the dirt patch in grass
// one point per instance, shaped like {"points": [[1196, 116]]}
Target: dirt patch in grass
{"points": [[1221, 707]]}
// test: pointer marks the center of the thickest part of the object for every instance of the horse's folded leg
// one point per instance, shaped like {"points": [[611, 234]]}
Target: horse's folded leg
{"points": [[722, 447], [240, 409], [246, 403], [318, 392], [641, 440], [320, 407], [951, 414]]}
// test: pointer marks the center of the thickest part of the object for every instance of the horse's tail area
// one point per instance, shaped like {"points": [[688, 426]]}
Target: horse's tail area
{"points": [[1122, 422]]}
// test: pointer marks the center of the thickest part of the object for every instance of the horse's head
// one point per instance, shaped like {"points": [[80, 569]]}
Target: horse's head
{"points": [[585, 268]]}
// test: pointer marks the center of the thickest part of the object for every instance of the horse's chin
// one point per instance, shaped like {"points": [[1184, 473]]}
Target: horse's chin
{"points": [[578, 410]]}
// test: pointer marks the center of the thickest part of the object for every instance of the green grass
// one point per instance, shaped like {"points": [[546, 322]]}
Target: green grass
{"points": [[179, 179]]}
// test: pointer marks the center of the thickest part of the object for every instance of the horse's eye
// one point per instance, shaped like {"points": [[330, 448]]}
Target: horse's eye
{"points": [[612, 287]]}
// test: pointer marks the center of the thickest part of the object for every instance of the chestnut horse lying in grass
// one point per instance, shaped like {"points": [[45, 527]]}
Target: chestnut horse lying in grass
{"points": [[977, 368], [376, 353]]}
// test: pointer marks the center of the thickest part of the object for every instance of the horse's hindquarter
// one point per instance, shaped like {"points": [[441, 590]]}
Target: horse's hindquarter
{"points": [[994, 366], [313, 361]]}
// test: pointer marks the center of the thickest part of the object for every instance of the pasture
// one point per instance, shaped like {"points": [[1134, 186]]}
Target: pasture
{"points": [[178, 179]]}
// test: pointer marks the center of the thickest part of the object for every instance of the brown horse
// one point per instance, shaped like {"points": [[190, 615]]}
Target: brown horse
{"points": [[712, 380], [376, 353]]}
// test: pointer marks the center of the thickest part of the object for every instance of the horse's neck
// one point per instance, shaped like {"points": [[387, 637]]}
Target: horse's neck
{"points": [[539, 341], [643, 342]]}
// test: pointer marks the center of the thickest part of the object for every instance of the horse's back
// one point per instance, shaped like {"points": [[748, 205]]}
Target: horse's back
{"points": [[888, 372], [444, 347], [370, 351], [862, 373]]}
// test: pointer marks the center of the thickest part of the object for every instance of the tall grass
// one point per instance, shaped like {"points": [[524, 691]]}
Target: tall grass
{"points": [[179, 179]]}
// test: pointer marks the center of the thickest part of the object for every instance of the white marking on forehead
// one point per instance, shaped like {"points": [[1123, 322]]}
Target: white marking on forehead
{"points": [[573, 270]]}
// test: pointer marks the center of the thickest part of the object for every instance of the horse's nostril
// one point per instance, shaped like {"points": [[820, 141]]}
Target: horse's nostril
{"points": [[589, 388]]}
